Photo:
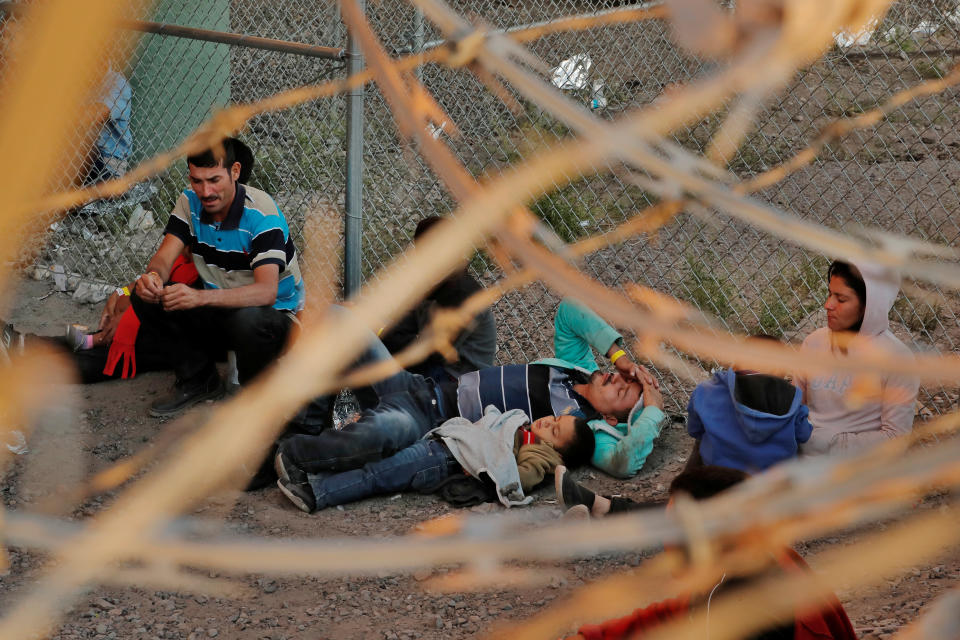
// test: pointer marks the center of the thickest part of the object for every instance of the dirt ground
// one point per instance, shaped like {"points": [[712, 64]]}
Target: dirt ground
{"points": [[112, 423]]}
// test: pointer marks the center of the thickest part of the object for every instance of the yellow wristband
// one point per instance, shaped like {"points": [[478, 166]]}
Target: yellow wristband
{"points": [[619, 354]]}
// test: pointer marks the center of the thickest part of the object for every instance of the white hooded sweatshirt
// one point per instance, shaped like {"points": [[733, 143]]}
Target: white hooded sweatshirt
{"points": [[883, 406]]}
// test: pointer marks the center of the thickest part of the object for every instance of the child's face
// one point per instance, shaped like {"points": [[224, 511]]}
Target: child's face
{"points": [[555, 430]]}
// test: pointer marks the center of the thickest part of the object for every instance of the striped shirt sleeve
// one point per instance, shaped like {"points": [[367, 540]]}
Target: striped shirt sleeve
{"points": [[269, 243], [179, 223]]}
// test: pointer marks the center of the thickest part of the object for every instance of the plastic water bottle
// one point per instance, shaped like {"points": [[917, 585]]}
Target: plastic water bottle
{"points": [[597, 99]]}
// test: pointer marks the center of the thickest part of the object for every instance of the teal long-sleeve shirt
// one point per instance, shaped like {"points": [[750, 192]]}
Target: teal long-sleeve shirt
{"points": [[577, 332]]}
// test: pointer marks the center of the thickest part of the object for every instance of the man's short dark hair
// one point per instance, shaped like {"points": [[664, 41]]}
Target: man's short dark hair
{"points": [[580, 450], [233, 151], [707, 481]]}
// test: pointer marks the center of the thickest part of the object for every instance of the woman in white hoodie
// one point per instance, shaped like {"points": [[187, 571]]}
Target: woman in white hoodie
{"points": [[850, 412]]}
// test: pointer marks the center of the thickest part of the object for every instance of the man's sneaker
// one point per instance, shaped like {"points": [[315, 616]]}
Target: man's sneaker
{"points": [[569, 493], [186, 395], [11, 342], [300, 494], [288, 471]]}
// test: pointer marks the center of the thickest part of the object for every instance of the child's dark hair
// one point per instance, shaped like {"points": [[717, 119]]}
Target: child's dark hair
{"points": [[580, 450], [707, 481], [233, 151]]}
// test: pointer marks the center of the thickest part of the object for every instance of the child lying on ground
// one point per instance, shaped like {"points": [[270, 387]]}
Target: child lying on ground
{"points": [[514, 453]]}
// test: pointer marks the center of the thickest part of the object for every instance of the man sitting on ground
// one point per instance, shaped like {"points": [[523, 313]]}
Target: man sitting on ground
{"points": [[242, 249], [571, 384]]}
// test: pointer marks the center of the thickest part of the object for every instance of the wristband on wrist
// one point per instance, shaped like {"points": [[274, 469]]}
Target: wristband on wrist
{"points": [[123, 291], [616, 356]]}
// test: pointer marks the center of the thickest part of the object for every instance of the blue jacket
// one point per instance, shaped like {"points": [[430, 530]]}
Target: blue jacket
{"points": [[747, 421], [577, 330]]}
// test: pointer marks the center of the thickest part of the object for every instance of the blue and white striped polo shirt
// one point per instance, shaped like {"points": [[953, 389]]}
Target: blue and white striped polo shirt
{"points": [[253, 234], [537, 389]]}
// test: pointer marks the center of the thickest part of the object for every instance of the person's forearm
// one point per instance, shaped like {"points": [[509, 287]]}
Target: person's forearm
{"points": [[158, 266], [252, 295], [625, 457]]}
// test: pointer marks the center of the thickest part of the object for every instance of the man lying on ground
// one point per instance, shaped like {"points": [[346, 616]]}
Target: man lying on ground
{"points": [[828, 621], [506, 447], [410, 405]]}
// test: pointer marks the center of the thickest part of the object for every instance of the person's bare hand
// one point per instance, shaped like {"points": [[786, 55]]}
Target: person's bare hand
{"points": [[180, 297], [109, 310], [633, 371], [110, 318], [150, 287], [652, 397]]}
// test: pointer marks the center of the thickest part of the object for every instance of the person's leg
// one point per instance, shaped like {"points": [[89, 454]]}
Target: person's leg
{"points": [[316, 416], [570, 495], [397, 422], [192, 336], [258, 335], [420, 466]]}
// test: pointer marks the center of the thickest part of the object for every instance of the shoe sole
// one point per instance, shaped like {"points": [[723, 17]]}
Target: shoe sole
{"points": [[210, 395], [558, 474], [279, 468], [294, 498]]}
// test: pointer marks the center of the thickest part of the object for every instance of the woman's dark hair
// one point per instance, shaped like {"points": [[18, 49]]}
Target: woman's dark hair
{"points": [[233, 151], [580, 450], [852, 278]]}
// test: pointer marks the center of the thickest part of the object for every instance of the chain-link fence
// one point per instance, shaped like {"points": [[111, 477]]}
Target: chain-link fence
{"points": [[898, 176]]}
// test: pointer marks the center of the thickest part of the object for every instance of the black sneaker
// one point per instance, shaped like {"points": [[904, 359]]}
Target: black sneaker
{"points": [[300, 494], [186, 395], [569, 493], [288, 471]]}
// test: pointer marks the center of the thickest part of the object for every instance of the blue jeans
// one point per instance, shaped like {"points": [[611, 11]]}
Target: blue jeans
{"points": [[420, 467], [407, 409]]}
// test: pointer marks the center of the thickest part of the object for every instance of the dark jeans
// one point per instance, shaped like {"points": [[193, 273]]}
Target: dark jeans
{"points": [[406, 410], [152, 354], [197, 336], [420, 467]]}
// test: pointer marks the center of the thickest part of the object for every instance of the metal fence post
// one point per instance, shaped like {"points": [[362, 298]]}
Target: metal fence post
{"points": [[354, 178]]}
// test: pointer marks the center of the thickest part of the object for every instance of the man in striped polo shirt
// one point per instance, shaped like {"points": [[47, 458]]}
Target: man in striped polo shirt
{"points": [[241, 246], [624, 424]]}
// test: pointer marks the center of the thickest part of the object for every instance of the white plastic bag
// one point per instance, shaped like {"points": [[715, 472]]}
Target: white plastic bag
{"points": [[573, 73]]}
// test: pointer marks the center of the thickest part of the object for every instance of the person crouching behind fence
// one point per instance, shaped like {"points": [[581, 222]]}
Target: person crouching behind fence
{"points": [[746, 420], [825, 620], [515, 454]]}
